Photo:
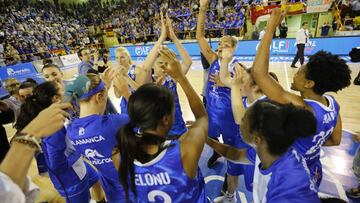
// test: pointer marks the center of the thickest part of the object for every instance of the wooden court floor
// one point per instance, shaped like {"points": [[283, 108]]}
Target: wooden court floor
{"points": [[349, 100]]}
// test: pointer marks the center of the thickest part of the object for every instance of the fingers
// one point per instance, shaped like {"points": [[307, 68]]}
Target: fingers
{"points": [[61, 105]]}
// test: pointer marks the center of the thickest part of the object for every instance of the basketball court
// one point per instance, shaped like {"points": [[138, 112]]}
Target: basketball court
{"points": [[337, 161]]}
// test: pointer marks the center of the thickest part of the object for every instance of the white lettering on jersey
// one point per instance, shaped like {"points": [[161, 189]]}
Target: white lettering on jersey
{"points": [[319, 139], [329, 117], [90, 140], [154, 193], [148, 179], [96, 158]]}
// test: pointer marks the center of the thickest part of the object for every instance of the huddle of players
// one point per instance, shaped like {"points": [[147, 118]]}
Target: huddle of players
{"points": [[146, 153]]}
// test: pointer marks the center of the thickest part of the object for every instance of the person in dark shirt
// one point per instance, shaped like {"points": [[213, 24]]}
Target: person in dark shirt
{"points": [[86, 66], [325, 29], [283, 30]]}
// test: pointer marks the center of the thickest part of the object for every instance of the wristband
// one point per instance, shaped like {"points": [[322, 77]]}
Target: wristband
{"points": [[28, 140]]}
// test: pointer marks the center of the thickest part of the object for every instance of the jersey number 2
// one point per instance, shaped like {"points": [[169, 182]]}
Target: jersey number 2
{"points": [[154, 193]]}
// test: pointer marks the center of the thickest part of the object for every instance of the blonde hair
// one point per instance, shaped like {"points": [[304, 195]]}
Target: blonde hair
{"points": [[232, 39], [124, 50]]}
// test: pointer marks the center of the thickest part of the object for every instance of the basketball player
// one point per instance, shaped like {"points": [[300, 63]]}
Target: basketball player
{"points": [[280, 173], [218, 101], [124, 61], [323, 73], [250, 94], [159, 77], [94, 134], [153, 169], [71, 177]]}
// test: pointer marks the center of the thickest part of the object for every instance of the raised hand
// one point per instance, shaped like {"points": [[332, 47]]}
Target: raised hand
{"points": [[276, 17], [173, 67], [164, 32], [239, 72], [170, 30], [204, 3], [108, 76], [121, 84], [215, 78], [227, 53], [48, 121]]}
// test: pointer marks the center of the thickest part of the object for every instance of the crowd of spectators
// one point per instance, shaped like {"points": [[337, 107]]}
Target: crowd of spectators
{"points": [[140, 21], [349, 14], [39, 29]]}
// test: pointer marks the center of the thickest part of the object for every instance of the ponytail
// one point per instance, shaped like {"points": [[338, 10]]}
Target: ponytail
{"points": [[130, 143], [146, 107], [41, 99], [127, 145]]}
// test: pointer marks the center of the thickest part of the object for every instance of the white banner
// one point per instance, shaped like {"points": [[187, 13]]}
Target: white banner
{"points": [[317, 6], [71, 59]]}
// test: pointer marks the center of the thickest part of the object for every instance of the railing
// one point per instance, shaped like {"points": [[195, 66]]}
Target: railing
{"points": [[184, 35], [52, 53]]}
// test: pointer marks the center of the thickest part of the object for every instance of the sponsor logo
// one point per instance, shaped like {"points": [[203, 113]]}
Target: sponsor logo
{"points": [[81, 131], [96, 158], [12, 72], [140, 50]]}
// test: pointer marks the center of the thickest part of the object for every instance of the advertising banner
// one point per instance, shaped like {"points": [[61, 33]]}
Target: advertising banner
{"points": [[316, 6], [69, 60], [279, 47]]}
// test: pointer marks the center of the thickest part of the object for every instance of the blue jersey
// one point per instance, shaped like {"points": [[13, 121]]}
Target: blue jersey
{"points": [[218, 99], [67, 170], [94, 137], [286, 180], [179, 126], [164, 179], [309, 147], [123, 103]]}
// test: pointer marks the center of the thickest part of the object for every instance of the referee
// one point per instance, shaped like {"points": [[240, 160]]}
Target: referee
{"points": [[302, 38]]}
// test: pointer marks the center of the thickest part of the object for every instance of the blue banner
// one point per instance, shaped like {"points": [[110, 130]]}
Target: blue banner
{"points": [[19, 71], [279, 47]]}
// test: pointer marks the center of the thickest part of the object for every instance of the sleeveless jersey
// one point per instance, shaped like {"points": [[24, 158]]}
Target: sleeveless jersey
{"points": [[164, 179], [123, 103], [286, 180], [218, 99], [309, 147], [179, 126]]}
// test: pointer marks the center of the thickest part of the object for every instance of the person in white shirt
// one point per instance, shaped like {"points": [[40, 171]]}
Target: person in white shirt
{"points": [[302, 38], [262, 33]]}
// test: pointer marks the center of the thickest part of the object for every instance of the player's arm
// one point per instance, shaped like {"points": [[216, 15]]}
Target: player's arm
{"points": [[224, 74], [205, 48], [144, 75], [121, 87], [231, 153], [260, 70], [192, 142], [335, 138], [186, 59], [237, 104]]}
